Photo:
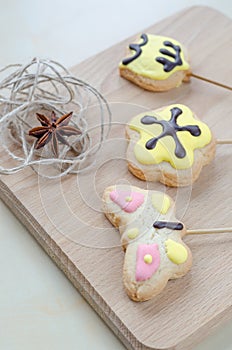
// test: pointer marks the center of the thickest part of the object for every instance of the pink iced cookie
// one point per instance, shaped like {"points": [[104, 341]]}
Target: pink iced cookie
{"points": [[151, 237], [127, 200]]}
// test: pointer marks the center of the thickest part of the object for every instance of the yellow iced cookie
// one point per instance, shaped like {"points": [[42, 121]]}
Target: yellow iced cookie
{"points": [[170, 145], [155, 63]]}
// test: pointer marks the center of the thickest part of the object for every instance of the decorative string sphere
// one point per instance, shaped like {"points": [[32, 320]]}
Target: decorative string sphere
{"points": [[45, 86]]}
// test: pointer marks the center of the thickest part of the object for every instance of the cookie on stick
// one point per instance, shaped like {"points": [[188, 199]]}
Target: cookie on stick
{"points": [[159, 63], [151, 237], [170, 145]]}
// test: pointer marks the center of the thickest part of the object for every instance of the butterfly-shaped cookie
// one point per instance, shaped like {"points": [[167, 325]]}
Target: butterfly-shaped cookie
{"points": [[151, 237]]}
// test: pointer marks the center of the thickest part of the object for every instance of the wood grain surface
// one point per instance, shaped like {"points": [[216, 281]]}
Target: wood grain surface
{"points": [[65, 215]]}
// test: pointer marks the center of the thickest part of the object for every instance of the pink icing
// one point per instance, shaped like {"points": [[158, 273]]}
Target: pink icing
{"points": [[144, 270], [119, 197]]}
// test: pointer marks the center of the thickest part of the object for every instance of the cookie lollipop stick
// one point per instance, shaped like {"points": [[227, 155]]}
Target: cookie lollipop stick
{"points": [[224, 142], [209, 231], [170, 145], [151, 237], [159, 63], [210, 81], [178, 225]]}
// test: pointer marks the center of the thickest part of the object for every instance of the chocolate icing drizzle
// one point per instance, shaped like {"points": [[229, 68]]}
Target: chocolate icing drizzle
{"points": [[137, 49], [168, 224], [170, 65], [170, 128]]}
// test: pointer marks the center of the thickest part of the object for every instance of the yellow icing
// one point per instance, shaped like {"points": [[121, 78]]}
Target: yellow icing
{"points": [[165, 147], [146, 64], [147, 259], [176, 252], [128, 199], [161, 202], [132, 233]]}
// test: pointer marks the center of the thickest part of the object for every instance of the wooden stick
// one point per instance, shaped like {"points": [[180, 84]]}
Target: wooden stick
{"points": [[211, 81], [224, 142], [209, 231]]}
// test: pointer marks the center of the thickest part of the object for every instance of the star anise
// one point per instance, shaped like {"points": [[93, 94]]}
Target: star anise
{"points": [[53, 129]]}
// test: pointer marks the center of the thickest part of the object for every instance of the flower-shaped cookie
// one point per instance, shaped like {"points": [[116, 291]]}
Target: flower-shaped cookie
{"points": [[155, 63], [151, 237], [170, 145]]}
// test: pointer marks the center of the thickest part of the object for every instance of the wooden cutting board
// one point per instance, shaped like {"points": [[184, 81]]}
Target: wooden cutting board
{"points": [[66, 219]]}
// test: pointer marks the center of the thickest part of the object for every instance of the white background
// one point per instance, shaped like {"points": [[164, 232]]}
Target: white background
{"points": [[39, 308]]}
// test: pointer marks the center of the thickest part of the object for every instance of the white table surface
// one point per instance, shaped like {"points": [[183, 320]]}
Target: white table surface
{"points": [[39, 308]]}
